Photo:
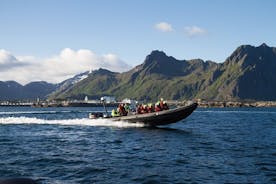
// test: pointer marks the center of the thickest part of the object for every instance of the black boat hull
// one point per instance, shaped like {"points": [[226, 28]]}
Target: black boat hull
{"points": [[161, 117]]}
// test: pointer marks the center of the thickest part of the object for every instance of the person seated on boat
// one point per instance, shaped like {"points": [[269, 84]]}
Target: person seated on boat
{"points": [[127, 108], [150, 108], [142, 109], [122, 110], [114, 113], [161, 103], [145, 109], [157, 107], [139, 109], [165, 106]]}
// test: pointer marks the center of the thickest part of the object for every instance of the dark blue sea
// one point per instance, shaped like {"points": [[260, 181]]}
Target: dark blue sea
{"points": [[213, 145]]}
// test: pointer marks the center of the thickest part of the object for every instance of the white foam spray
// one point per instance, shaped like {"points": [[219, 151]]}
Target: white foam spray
{"points": [[78, 122]]}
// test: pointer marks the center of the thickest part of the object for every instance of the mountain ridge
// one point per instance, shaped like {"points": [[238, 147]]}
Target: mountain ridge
{"points": [[11, 90], [247, 74], [164, 76]]}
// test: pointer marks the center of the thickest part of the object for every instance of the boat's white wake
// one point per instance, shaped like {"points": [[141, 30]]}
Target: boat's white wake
{"points": [[32, 112], [78, 122]]}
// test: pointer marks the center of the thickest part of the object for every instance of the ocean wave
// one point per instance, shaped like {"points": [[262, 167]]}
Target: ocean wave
{"points": [[43, 112], [240, 112], [78, 122], [33, 112]]}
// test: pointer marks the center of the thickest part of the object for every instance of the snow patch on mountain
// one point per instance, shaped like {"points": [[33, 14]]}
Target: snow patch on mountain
{"points": [[79, 78]]}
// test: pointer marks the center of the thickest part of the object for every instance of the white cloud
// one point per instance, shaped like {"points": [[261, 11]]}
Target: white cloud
{"points": [[57, 68], [7, 60], [164, 27], [193, 31]]}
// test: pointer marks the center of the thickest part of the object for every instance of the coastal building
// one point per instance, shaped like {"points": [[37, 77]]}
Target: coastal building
{"points": [[109, 99]]}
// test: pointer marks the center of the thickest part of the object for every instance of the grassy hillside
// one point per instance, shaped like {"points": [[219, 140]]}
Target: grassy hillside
{"points": [[249, 73]]}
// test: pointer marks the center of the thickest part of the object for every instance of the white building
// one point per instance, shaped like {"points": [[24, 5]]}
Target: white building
{"points": [[109, 99]]}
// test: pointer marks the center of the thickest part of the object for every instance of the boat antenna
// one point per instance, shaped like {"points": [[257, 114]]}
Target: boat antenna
{"points": [[103, 101]]}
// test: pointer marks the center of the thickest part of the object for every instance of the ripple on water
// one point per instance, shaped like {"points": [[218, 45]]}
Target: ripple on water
{"points": [[207, 147]]}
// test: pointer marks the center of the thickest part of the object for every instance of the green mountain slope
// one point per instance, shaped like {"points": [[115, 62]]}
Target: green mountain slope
{"points": [[93, 86], [249, 73]]}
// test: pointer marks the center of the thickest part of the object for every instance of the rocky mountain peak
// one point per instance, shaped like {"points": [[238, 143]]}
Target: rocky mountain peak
{"points": [[102, 71], [248, 55], [157, 53], [264, 45], [158, 62], [155, 56]]}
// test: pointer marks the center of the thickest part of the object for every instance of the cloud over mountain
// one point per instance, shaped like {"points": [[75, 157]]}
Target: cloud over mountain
{"points": [[164, 27], [56, 68], [193, 31], [8, 61]]}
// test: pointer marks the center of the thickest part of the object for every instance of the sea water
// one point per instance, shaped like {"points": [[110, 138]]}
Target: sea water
{"points": [[213, 145]]}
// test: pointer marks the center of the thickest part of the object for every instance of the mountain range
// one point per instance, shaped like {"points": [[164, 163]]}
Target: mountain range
{"points": [[11, 90], [247, 74]]}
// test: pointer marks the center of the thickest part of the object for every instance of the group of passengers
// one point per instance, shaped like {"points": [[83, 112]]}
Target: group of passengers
{"points": [[124, 109]]}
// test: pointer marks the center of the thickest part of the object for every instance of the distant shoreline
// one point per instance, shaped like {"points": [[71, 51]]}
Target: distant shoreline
{"points": [[225, 104], [202, 104]]}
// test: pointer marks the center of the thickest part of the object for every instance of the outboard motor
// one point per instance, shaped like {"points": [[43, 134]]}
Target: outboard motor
{"points": [[96, 115]]}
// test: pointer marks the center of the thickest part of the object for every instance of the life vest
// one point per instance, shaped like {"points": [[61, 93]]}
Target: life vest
{"points": [[161, 104], [114, 113], [157, 107], [150, 108], [122, 110], [126, 106], [145, 109]]}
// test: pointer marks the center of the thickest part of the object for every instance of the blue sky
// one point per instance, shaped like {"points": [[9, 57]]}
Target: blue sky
{"points": [[209, 30]]}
